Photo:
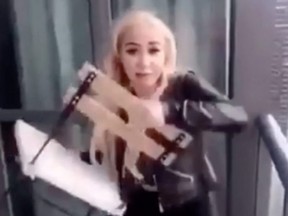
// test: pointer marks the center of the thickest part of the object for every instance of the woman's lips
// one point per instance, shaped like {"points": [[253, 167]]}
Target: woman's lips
{"points": [[143, 75]]}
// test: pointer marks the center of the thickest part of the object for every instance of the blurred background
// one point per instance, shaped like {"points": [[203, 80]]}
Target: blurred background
{"points": [[240, 46]]}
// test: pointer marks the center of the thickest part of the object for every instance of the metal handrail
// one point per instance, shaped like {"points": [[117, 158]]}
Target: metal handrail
{"points": [[276, 143], [40, 116]]}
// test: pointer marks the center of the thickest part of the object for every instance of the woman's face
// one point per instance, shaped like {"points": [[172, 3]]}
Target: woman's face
{"points": [[142, 53]]}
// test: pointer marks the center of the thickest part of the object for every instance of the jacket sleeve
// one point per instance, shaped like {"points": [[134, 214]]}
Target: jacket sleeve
{"points": [[202, 107]]}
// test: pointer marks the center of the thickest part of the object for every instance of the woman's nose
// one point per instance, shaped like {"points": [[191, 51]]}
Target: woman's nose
{"points": [[144, 61]]}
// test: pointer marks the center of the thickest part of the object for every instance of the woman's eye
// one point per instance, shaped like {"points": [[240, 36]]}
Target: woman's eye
{"points": [[154, 50], [131, 51]]}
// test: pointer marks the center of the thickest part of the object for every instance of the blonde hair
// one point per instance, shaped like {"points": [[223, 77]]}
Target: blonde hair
{"points": [[112, 64]]}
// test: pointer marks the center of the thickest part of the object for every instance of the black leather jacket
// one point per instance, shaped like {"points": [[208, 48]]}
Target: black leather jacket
{"points": [[193, 104], [190, 100]]}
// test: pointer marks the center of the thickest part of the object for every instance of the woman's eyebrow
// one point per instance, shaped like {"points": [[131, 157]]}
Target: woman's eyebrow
{"points": [[136, 44], [131, 43], [154, 43]]}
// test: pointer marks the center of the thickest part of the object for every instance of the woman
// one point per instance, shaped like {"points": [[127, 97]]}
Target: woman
{"points": [[143, 60]]}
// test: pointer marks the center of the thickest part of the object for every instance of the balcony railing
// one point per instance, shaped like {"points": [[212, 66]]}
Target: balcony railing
{"points": [[274, 156]]}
